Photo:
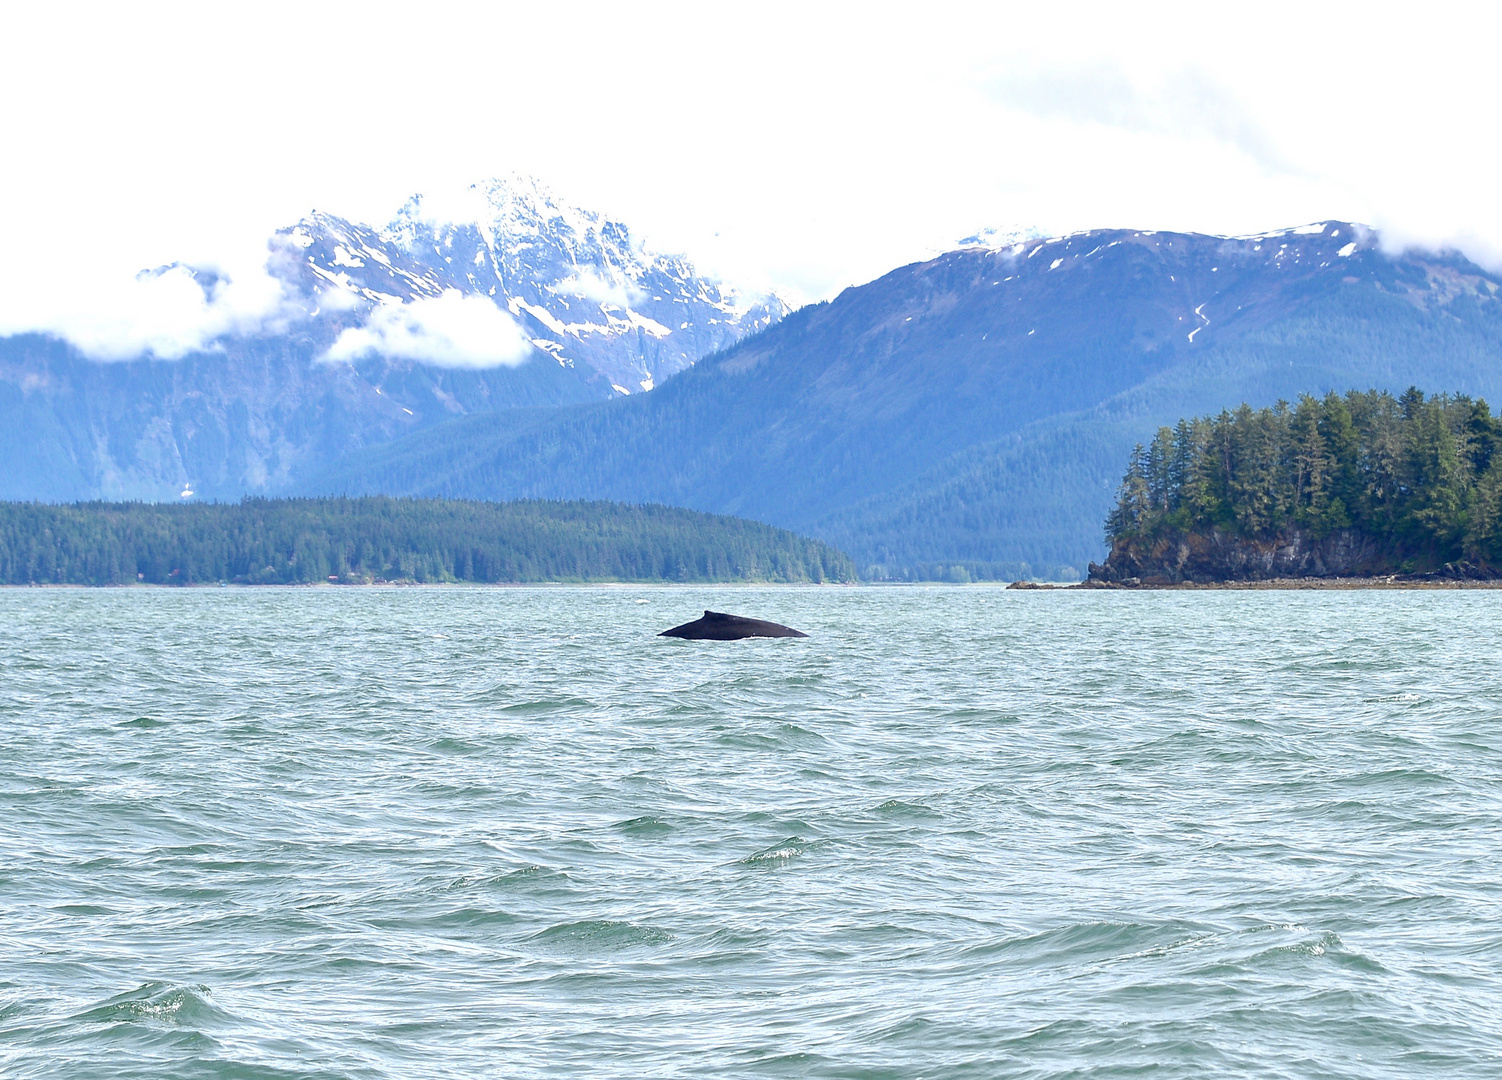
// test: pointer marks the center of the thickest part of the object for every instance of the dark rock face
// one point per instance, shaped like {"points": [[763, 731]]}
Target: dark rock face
{"points": [[1219, 556], [1463, 570], [718, 626]]}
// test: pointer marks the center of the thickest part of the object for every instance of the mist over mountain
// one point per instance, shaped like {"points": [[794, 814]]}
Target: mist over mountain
{"points": [[518, 300], [576, 283], [976, 411]]}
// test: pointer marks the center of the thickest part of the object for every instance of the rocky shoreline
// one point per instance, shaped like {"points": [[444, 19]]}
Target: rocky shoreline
{"points": [[1295, 558], [1344, 559], [1268, 584]]}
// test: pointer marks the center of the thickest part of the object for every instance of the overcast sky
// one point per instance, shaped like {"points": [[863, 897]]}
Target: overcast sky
{"points": [[801, 146]]}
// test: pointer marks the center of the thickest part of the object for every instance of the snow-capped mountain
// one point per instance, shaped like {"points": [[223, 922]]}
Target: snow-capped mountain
{"points": [[513, 302], [576, 283], [997, 237], [979, 408]]}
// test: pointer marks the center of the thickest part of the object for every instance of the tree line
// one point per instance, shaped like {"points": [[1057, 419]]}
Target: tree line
{"points": [[1423, 475], [376, 538]]}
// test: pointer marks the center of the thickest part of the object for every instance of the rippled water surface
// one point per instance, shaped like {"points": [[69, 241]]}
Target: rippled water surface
{"points": [[958, 832]]}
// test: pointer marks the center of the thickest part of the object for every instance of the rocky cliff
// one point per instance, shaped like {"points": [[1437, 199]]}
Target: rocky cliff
{"points": [[1175, 558]]}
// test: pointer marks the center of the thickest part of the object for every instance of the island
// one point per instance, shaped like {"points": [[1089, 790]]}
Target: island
{"points": [[1360, 487]]}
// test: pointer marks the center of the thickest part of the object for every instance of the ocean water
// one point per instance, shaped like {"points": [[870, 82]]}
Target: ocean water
{"points": [[958, 832]]}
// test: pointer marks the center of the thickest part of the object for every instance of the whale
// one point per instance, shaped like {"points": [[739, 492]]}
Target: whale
{"points": [[718, 626]]}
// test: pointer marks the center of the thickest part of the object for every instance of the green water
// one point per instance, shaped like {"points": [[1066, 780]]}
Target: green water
{"points": [[957, 832]]}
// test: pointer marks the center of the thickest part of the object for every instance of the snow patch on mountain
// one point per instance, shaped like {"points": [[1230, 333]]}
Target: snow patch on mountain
{"points": [[573, 283], [997, 237], [488, 276]]}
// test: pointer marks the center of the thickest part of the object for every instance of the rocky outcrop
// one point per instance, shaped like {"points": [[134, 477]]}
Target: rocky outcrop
{"points": [[1181, 558]]}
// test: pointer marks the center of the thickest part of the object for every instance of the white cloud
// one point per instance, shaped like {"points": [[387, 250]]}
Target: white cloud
{"points": [[806, 161], [1185, 104], [108, 314], [449, 330], [452, 204], [332, 297], [587, 284]]}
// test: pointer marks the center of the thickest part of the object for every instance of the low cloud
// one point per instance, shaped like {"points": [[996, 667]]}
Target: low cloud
{"points": [[164, 313], [337, 298], [1184, 104], [1397, 238], [589, 285], [449, 330]]}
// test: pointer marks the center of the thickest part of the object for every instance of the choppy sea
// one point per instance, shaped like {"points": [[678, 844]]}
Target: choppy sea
{"points": [[957, 832]]}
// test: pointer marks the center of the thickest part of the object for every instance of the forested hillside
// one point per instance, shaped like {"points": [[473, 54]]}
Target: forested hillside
{"points": [[247, 417], [291, 541], [1373, 483], [969, 415]]}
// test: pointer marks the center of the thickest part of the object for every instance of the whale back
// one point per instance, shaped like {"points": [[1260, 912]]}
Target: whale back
{"points": [[720, 626]]}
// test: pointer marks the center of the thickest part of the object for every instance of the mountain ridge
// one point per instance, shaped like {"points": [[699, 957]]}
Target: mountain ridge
{"points": [[582, 290], [254, 412], [1015, 379]]}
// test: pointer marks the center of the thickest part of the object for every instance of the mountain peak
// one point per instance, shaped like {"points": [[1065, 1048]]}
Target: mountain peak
{"points": [[577, 283], [1001, 236]]}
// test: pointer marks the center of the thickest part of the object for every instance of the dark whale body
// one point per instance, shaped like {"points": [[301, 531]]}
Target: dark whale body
{"points": [[717, 626]]}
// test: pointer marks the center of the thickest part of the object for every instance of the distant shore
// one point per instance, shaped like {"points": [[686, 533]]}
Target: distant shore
{"points": [[651, 583], [1337, 584], [1272, 584]]}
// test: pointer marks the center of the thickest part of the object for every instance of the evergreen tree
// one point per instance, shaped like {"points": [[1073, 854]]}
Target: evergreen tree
{"points": [[300, 541], [1421, 474]]}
